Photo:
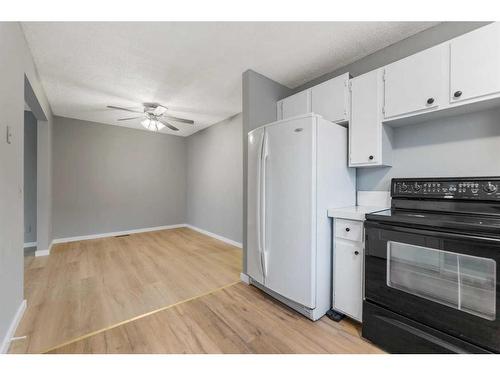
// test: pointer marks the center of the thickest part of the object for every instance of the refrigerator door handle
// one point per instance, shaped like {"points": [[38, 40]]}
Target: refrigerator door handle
{"points": [[259, 204], [263, 168]]}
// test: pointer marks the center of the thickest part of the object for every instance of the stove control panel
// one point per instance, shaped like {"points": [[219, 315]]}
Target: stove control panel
{"points": [[480, 188]]}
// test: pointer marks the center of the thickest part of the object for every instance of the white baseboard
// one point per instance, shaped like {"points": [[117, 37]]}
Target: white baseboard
{"points": [[132, 231], [113, 234], [245, 278], [216, 236], [12, 327], [42, 253], [29, 244]]}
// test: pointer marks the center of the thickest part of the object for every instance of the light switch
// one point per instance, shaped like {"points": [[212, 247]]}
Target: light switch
{"points": [[9, 135]]}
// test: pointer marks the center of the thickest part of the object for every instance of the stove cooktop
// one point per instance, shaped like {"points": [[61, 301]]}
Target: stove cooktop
{"points": [[439, 220]]}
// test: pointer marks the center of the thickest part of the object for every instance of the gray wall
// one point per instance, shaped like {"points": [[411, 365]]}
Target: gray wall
{"points": [[108, 178], [14, 65], [259, 107], [30, 167], [465, 145], [214, 179]]}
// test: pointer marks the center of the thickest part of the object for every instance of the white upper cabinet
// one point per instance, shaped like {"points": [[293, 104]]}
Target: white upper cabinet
{"points": [[330, 99], [295, 105], [417, 83], [369, 142], [475, 64]]}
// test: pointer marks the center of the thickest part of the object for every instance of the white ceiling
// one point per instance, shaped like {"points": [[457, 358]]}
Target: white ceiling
{"points": [[193, 68]]}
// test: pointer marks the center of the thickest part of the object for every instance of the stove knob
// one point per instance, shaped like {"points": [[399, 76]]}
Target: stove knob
{"points": [[489, 188]]}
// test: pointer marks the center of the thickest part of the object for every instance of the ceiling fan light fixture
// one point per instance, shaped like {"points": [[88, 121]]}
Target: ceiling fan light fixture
{"points": [[151, 124], [152, 113], [147, 123]]}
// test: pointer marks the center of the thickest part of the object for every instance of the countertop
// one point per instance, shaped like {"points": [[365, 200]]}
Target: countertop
{"points": [[354, 212]]}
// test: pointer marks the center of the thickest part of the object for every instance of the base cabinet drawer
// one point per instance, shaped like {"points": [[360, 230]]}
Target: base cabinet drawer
{"points": [[349, 229], [348, 278]]}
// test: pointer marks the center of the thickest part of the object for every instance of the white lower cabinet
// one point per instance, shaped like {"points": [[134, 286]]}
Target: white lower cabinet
{"points": [[348, 269], [349, 253], [348, 280]]}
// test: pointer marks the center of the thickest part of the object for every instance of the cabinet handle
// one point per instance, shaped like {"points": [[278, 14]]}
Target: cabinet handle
{"points": [[356, 252], [370, 157], [457, 94], [430, 100], [347, 229]]}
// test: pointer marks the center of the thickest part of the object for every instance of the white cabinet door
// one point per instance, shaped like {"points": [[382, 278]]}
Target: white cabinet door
{"points": [[365, 124], [330, 99], [475, 64], [297, 104], [417, 83], [348, 278]]}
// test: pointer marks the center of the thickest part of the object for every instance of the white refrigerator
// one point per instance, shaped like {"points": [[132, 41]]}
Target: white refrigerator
{"points": [[297, 170]]}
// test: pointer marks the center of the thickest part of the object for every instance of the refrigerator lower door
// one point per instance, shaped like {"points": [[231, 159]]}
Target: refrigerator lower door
{"points": [[254, 223], [290, 204]]}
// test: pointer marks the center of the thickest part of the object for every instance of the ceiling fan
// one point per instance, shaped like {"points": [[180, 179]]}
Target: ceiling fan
{"points": [[154, 117]]}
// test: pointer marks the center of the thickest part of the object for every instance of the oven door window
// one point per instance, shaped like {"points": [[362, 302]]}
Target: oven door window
{"points": [[464, 282]]}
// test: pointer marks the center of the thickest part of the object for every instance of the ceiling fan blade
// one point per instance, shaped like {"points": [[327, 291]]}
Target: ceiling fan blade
{"points": [[129, 118], [124, 109], [170, 126], [185, 121]]}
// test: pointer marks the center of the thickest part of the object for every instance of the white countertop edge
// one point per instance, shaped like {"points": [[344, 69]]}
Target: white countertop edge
{"points": [[354, 212]]}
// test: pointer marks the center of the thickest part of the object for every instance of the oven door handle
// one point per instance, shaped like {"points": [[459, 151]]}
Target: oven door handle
{"points": [[425, 232]]}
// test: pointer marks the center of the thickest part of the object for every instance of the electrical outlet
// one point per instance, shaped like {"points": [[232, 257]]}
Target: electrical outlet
{"points": [[9, 135]]}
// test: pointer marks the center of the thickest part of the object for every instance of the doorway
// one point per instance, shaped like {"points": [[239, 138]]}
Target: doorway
{"points": [[38, 174], [30, 181]]}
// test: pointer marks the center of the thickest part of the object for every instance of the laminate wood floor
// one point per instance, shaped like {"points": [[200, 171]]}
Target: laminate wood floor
{"points": [[85, 286], [235, 319]]}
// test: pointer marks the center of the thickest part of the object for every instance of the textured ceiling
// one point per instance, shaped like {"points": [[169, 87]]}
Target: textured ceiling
{"points": [[193, 68]]}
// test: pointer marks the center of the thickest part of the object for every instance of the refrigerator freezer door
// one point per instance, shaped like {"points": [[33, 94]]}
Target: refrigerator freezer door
{"points": [[254, 208], [290, 204]]}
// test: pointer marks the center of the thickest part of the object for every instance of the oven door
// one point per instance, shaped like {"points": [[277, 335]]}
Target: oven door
{"points": [[446, 281]]}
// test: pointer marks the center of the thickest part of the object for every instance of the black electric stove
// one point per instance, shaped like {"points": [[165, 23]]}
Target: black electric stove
{"points": [[431, 267]]}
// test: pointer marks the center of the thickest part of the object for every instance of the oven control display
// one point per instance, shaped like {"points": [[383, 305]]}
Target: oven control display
{"points": [[484, 188]]}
